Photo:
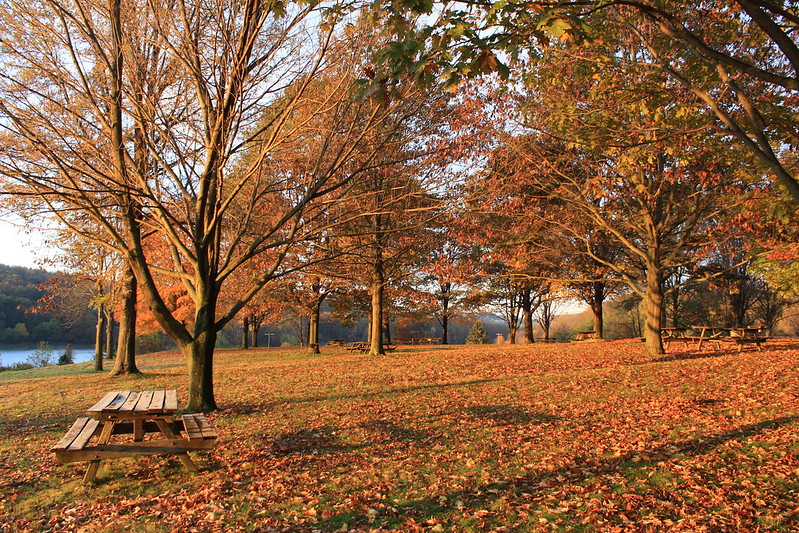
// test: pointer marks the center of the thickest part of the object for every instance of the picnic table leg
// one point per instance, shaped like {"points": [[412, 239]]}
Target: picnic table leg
{"points": [[138, 430], [105, 436], [183, 456]]}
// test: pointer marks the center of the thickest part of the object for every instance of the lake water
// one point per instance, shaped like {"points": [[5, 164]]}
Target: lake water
{"points": [[10, 356]]}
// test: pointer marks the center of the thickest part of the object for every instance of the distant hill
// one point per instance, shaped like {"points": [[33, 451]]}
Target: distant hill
{"points": [[21, 318]]}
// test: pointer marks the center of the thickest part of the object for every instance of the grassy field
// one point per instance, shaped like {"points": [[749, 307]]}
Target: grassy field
{"points": [[570, 437]]}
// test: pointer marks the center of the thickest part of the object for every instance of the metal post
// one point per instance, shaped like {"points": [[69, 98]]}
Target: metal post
{"points": [[269, 340]]}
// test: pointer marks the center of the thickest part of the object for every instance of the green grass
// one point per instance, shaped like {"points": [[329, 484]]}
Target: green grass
{"points": [[530, 438]]}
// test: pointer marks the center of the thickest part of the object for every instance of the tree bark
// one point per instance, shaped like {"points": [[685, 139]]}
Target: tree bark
{"points": [[245, 333], [654, 306], [527, 307], [596, 303], [109, 333], [98, 340], [446, 289], [376, 320], [255, 327], [313, 328], [199, 352], [126, 342]]}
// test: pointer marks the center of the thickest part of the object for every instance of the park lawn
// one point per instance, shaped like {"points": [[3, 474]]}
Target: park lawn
{"points": [[563, 437]]}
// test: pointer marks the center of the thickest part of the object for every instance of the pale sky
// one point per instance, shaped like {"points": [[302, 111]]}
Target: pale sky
{"points": [[19, 247]]}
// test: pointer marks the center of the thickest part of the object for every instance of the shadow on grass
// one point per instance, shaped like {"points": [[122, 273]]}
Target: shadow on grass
{"points": [[535, 484], [508, 415], [320, 440], [398, 433], [390, 392]]}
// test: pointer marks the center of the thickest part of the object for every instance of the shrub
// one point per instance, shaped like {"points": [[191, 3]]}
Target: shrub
{"points": [[67, 358], [41, 356], [477, 335]]}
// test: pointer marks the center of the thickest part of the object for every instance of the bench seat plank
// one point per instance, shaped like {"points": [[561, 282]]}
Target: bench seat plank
{"points": [[78, 435], [198, 427]]}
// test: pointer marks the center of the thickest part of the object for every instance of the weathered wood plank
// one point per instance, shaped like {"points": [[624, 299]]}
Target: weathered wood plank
{"points": [[130, 403], [171, 400], [157, 403], [205, 426], [192, 428], [144, 401], [103, 403], [85, 434], [71, 434], [197, 426]]}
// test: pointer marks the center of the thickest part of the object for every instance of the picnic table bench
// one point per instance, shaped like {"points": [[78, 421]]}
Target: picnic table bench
{"points": [[335, 342], [584, 335], [138, 413]]}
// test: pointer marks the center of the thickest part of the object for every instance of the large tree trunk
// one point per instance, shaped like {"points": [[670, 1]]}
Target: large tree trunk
{"points": [[199, 354], [313, 328], [654, 306], [512, 336], [527, 307], [445, 329], [376, 320], [98, 339], [126, 342], [245, 333], [597, 300]]}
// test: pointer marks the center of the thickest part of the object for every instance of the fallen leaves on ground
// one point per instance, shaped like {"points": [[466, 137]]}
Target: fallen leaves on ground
{"points": [[591, 437]]}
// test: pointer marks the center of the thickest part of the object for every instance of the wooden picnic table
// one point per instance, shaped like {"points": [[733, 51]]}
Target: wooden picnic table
{"points": [[584, 335], [740, 336], [669, 335], [364, 347], [138, 413]]}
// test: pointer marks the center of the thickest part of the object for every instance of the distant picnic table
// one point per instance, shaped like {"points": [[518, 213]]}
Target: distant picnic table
{"points": [[136, 413], [364, 347], [699, 335], [420, 340]]}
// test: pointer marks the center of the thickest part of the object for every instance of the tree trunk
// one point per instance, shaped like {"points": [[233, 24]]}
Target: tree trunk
{"points": [[376, 320], [446, 291], [527, 307], [386, 329], [98, 340], [199, 353], [512, 336], [255, 326], [654, 307], [313, 328], [109, 333], [126, 342], [598, 298], [245, 333], [199, 358]]}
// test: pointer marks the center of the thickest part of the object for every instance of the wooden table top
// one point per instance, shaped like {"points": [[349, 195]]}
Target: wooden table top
{"points": [[133, 404]]}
